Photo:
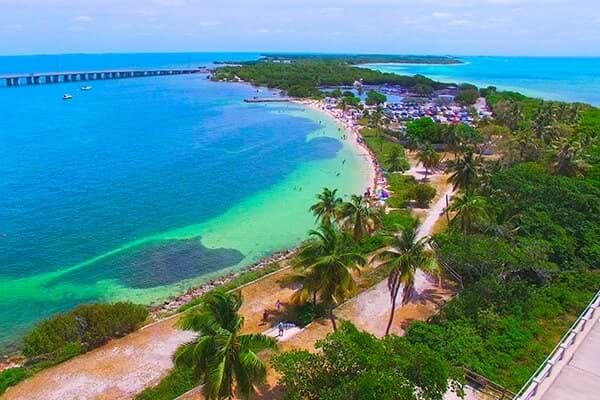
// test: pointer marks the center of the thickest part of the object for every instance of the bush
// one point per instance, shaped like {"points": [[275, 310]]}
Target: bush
{"points": [[304, 314], [375, 98], [12, 376], [395, 220], [423, 194], [87, 326], [357, 365], [369, 244], [467, 97]]}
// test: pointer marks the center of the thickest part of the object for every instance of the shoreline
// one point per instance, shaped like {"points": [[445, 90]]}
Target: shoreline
{"points": [[375, 180], [169, 306], [376, 177]]}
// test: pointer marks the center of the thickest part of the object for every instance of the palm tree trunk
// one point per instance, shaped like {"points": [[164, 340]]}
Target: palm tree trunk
{"points": [[393, 311], [332, 317]]}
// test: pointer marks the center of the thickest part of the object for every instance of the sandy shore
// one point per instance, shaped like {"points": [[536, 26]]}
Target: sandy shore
{"points": [[376, 179]]}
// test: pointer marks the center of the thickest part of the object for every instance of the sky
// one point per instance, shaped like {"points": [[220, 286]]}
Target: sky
{"points": [[455, 27]]}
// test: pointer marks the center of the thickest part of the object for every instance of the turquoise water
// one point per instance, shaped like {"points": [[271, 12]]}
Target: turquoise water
{"points": [[554, 78], [143, 187]]}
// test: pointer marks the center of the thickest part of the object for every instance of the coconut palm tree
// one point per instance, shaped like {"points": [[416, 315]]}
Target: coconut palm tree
{"points": [[471, 210], [394, 161], [569, 159], [509, 114], [463, 171], [226, 361], [405, 256], [327, 207], [327, 261], [429, 158], [359, 216]]}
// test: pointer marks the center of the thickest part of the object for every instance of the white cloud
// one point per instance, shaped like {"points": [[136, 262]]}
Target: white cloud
{"points": [[86, 19], [14, 27], [441, 15]]}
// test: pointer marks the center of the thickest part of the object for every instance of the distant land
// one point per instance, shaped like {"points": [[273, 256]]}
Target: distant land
{"points": [[355, 59]]}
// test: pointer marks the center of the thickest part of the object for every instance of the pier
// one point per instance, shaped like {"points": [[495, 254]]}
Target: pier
{"points": [[268, 100], [12, 80]]}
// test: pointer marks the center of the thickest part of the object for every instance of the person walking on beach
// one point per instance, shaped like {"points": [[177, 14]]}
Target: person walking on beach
{"points": [[280, 328]]}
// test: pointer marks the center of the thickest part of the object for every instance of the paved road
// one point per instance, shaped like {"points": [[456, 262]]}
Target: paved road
{"points": [[579, 379]]}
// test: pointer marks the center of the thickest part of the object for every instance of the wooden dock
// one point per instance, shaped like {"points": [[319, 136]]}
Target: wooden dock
{"points": [[268, 100], [12, 80]]}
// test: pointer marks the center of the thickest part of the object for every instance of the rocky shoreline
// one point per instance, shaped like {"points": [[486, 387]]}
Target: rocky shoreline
{"points": [[172, 305]]}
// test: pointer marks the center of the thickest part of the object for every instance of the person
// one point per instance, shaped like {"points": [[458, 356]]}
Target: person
{"points": [[280, 328], [278, 305], [265, 316]]}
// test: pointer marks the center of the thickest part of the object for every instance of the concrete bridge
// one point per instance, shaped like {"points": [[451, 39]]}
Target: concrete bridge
{"points": [[76, 76]]}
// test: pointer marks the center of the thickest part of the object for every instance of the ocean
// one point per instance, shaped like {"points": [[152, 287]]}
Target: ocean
{"points": [[553, 78], [142, 188]]}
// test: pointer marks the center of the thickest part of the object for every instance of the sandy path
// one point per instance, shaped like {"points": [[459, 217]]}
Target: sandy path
{"points": [[118, 370]]}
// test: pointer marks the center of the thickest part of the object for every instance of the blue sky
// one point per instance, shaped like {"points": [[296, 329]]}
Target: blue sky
{"points": [[462, 27]]}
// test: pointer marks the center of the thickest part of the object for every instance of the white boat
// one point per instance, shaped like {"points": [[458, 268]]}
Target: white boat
{"points": [[85, 88], [67, 96]]}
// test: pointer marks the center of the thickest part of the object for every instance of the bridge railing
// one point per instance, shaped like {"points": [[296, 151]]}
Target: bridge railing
{"points": [[529, 390]]}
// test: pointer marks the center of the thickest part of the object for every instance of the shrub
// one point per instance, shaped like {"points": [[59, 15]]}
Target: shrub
{"points": [[87, 326], [423, 194], [304, 314], [12, 376], [395, 220]]}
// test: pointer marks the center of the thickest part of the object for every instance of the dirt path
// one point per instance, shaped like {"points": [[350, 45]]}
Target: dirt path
{"points": [[124, 367]]}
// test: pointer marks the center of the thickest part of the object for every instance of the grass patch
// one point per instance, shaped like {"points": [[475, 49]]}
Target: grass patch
{"points": [[179, 380], [395, 220]]}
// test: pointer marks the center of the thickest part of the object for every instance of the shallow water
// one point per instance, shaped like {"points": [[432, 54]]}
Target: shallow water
{"points": [[143, 187]]}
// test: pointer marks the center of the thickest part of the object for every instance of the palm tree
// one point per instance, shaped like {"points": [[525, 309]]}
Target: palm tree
{"points": [[327, 261], [569, 159], [429, 158], [405, 256], [470, 209], [463, 171], [359, 216], [542, 121], [327, 207], [220, 356], [509, 114], [394, 160]]}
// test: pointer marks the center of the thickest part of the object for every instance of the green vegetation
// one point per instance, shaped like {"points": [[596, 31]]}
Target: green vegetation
{"points": [[87, 327], [504, 330], [405, 256], [303, 78], [224, 360], [375, 98], [180, 379], [326, 261], [423, 194], [356, 365], [67, 335], [467, 94], [12, 376], [363, 58], [523, 236]]}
